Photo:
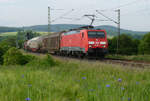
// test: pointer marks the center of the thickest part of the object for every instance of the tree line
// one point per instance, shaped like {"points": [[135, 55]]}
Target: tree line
{"points": [[7, 44], [129, 46]]}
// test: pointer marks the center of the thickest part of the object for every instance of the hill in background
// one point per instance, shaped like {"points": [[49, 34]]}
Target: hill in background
{"points": [[8, 29], [111, 30]]}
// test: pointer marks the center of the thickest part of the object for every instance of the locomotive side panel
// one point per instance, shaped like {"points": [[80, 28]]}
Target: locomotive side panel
{"points": [[85, 42], [71, 41]]}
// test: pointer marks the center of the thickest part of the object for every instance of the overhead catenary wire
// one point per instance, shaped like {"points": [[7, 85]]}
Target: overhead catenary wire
{"points": [[126, 5], [77, 19], [67, 13], [56, 9], [133, 12], [146, 9], [101, 20], [106, 17], [123, 5]]}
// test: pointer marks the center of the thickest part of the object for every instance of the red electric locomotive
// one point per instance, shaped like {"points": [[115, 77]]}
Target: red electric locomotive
{"points": [[91, 42], [84, 41]]}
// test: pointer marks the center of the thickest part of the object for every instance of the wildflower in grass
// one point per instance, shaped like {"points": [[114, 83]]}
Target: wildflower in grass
{"points": [[122, 88], [129, 99], [137, 83], [91, 90], [107, 85], [28, 99], [83, 78], [119, 80], [22, 76]]}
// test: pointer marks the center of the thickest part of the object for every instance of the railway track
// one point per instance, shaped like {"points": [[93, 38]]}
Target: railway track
{"points": [[123, 62]]}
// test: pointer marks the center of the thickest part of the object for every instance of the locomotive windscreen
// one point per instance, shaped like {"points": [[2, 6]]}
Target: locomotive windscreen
{"points": [[96, 34]]}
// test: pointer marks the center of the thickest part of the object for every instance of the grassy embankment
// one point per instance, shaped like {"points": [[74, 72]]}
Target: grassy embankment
{"points": [[144, 58], [73, 80]]}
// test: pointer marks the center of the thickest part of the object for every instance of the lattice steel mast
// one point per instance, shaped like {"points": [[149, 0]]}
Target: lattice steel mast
{"points": [[49, 20]]}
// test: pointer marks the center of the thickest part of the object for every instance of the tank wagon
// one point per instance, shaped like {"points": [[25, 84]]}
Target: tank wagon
{"points": [[78, 42], [36, 44]]}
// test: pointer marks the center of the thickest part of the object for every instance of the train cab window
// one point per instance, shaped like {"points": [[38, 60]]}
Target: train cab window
{"points": [[101, 34], [96, 34]]}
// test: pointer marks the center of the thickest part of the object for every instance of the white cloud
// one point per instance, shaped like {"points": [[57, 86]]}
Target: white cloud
{"points": [[8, 1]]}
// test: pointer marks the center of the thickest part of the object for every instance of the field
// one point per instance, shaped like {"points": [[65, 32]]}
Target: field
{"points": [[74, 80], [8, 34], [15, 33]]}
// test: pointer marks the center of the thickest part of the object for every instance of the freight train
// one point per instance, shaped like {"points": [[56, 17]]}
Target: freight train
{"points": [[84, 41]]}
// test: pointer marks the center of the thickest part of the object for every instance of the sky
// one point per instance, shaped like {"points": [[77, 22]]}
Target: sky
{"points": [[135, 14]]}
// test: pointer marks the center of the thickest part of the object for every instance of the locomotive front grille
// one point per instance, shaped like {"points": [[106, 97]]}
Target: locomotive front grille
{"points": [[97, 50]]}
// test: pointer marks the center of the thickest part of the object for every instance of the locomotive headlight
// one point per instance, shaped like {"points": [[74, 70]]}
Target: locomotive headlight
{"points": [[90, 46], [103, 43], [91, 42]]}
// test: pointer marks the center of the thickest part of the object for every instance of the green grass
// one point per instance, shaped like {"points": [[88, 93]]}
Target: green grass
{"points": [[8, 34], [43, 33], [74, 80], [15, 33], [144, 58]]}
